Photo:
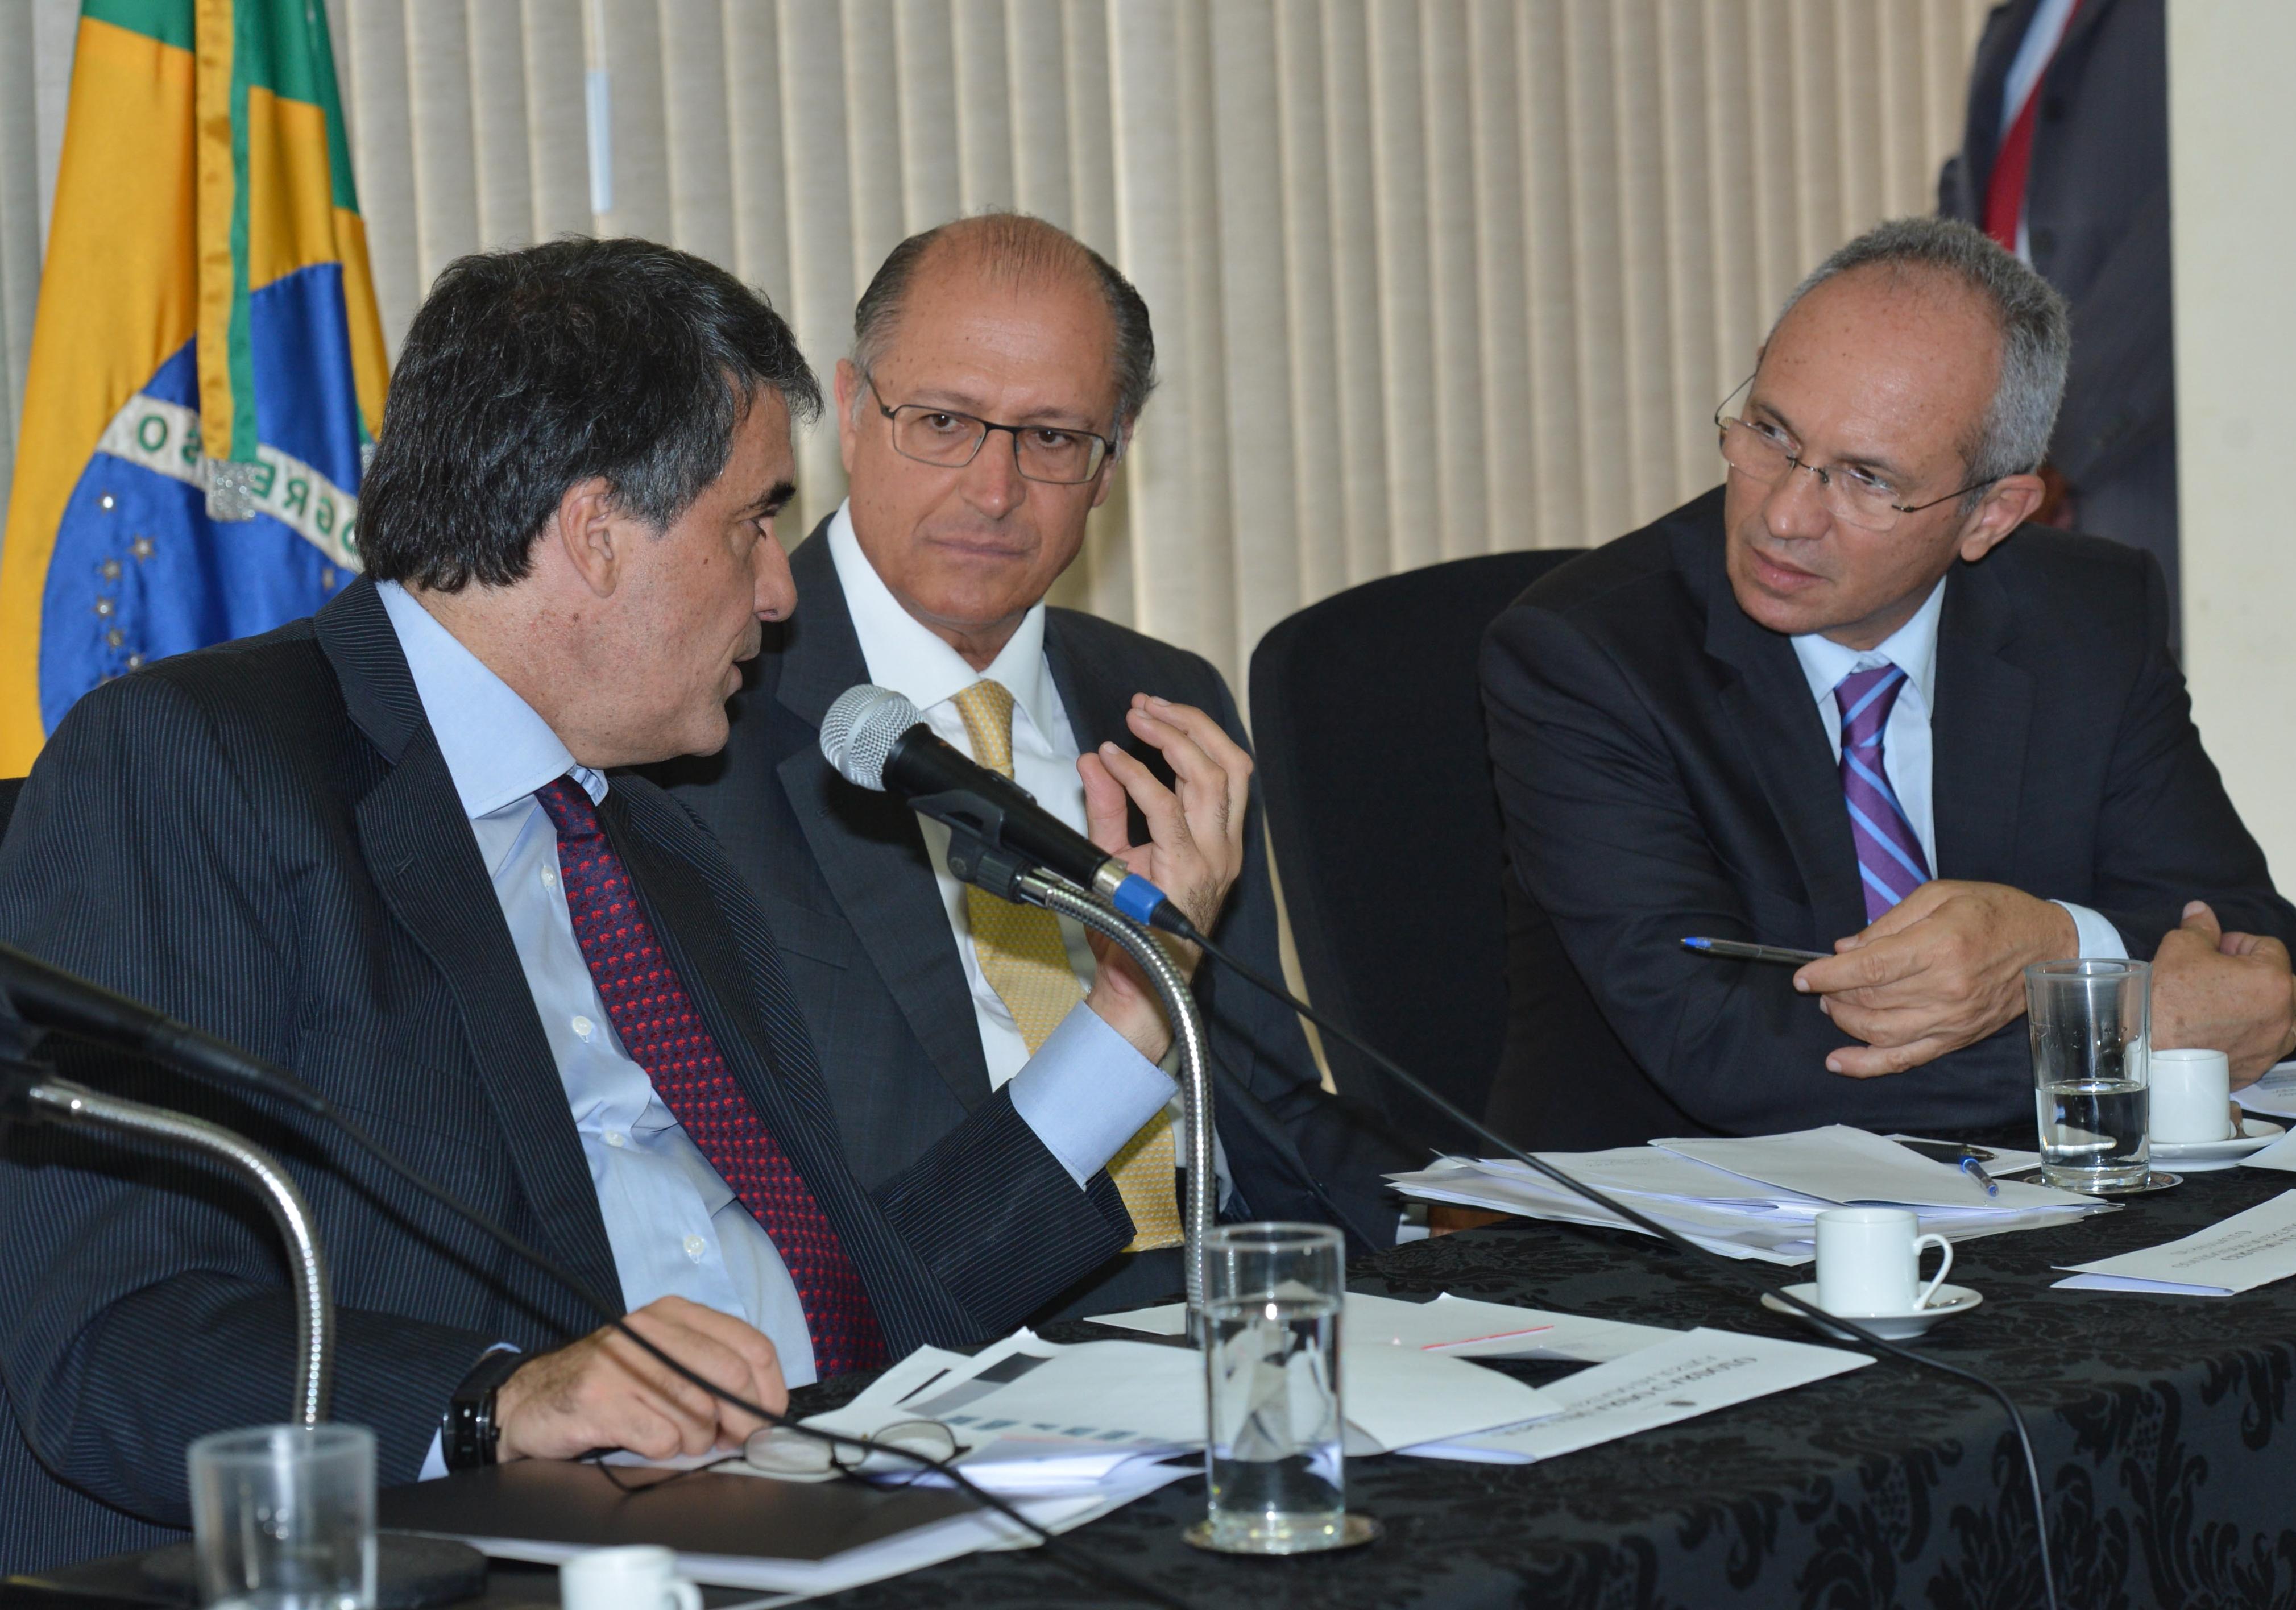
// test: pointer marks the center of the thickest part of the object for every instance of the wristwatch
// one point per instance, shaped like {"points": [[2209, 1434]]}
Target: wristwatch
{"points": [[467, 1431]]}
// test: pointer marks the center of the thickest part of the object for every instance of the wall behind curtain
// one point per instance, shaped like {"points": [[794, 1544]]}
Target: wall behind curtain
{"points": [[1430, 277]]}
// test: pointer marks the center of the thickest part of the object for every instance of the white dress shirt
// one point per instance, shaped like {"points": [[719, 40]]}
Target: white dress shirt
{"points": [[1906, 745], [1084, 1115]]}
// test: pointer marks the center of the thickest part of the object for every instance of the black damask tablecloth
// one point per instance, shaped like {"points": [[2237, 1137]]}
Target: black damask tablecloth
{"points": [[2162, 1426]]}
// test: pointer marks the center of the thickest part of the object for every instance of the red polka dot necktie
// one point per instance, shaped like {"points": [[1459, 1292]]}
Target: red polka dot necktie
{"points": [[648, 1006]]}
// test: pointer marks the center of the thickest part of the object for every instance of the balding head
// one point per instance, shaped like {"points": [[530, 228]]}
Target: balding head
{"points": [[1007, 250]]}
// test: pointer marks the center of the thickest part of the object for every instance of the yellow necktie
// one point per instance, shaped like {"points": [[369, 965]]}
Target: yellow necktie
{"points": [[1026, 962]]}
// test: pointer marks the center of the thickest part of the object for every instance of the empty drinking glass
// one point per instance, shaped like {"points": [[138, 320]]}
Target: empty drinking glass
{"points": [[283, 1517]]}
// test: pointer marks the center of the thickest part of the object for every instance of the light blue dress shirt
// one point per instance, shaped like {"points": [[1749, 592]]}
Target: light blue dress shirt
{"points": [[1906, 755], [675, 1226]]}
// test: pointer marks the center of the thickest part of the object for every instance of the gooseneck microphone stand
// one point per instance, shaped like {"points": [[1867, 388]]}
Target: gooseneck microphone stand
{"points": [[31, 1093], [999, 874]]}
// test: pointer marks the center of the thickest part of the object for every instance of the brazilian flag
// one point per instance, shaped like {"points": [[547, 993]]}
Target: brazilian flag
{"points": [[207, 369]]}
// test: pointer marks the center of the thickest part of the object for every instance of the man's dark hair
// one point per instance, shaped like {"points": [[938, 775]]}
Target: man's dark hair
{"points": [[526, 372], [1014, 246]]}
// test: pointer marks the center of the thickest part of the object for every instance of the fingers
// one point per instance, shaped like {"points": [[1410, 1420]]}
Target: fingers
{"points": [[606, 1391], [760, 1378], [1872, 1061], [1106, 806], [1903, 915], [698, 1415], [1168, 822], [1211, 768], [1874, 963], [2198, 916]]}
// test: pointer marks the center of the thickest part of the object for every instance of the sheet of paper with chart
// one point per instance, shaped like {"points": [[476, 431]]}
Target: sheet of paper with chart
{"points": [[1694, 1373]]}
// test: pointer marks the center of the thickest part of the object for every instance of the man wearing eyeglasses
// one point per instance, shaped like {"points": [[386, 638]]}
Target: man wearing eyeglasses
{"points": [[1844, 704], [997, 370]]}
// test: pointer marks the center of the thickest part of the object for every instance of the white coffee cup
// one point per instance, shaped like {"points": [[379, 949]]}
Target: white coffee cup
{"points": [[1869, 1262], [640, 1577], [2192, 1097]]}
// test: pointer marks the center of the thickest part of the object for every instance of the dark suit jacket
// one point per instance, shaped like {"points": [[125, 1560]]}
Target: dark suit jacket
{"points": [[2096, 201], [1664, 773], [262, 838], [845, 880]]}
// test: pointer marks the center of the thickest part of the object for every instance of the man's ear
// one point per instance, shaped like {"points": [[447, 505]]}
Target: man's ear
{"points": [[1105, 482], [2008, 503], [847, 386], [582, 530]]}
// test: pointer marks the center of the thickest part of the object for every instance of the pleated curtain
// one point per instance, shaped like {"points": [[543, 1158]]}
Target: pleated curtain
{"points": [[1430, 277]]}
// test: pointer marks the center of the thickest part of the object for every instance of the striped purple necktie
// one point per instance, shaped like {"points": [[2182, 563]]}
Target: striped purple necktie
{"points": [[1889, 860]]}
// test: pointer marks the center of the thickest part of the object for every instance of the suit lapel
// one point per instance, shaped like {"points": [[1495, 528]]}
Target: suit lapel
{"points": [[420, 852], [867, 845], [1088, 686], [1984, 706], [1782, 739]]}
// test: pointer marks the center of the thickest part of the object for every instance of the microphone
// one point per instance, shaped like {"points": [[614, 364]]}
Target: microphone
{"points": [[875, 739], [49, 997]]}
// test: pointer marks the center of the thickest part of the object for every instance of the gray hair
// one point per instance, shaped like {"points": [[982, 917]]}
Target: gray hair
{"points": [[1013, 246], [2035, 331]]}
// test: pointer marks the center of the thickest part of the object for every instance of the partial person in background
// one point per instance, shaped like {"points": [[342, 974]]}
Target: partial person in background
{"points": [[1851, 702], [998, 369], [2065, 163]]}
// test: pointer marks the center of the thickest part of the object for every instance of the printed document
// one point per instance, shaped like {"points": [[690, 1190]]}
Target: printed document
{"points": [[2248, 1250], [1695, 1373], [1459, 1328]]}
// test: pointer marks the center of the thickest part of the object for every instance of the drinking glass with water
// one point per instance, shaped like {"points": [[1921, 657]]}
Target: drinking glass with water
{"points": [[2091, 1023], [1273, 1293]]}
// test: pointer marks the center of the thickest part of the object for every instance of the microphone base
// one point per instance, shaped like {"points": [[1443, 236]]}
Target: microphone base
{"points": [[411, 1571]]}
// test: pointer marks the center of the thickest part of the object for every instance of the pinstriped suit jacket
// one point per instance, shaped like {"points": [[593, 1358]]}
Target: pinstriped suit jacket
{"points": [[262, 838], [845, 880]]}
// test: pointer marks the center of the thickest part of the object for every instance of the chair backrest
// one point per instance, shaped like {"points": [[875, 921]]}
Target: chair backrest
{"points": [[10, 787], [1367, 717]]}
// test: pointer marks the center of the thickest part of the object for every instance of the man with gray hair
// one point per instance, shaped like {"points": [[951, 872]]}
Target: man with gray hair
{"points": [[1844, 704]]}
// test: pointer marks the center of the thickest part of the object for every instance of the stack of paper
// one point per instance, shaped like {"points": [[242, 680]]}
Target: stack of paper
{"points": [[1455, 1327], [1032, 1416], [1755, 1197], [2239, 1253]]}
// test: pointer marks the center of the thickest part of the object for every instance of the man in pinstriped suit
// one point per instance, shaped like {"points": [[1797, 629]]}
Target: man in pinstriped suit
{"points": [[291, 841]]}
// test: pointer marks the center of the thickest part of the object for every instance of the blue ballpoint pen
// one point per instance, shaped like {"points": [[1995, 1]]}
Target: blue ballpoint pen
{"points": [[1971, 1166]]}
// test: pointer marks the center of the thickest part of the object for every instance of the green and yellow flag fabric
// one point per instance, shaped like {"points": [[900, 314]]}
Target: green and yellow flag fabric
{"points": [[208, 367]]}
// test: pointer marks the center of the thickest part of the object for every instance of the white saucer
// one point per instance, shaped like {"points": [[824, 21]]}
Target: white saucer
{"points": [[1891, 1327], [2203, 1156]]}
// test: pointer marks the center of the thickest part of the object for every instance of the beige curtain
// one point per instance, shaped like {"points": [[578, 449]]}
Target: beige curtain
{"points": [[1430, 277]]}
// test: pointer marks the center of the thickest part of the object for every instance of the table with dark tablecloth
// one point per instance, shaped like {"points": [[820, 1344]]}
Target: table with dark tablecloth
{"points": [[2162, 1424]]}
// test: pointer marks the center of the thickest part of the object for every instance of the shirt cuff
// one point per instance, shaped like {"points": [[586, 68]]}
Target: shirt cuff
{"points": [[2100, 941], [1087, 1091]]}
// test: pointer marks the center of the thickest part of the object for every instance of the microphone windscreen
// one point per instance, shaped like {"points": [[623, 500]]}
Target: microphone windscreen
{"points": [[859, 731]]}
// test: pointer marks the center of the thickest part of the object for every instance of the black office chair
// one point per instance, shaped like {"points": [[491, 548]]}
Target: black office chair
{"points": [[1368, 719], [10, 787]]}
